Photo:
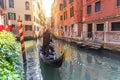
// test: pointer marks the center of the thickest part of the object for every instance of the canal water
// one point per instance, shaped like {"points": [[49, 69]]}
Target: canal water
{"points": [[81, 64]]}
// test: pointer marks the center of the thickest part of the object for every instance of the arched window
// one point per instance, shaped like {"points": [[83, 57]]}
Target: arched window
{"points": [[27, 5], [11, 3]]}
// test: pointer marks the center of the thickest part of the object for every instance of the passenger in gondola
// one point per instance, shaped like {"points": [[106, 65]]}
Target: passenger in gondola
{"points": [[47, 39]]}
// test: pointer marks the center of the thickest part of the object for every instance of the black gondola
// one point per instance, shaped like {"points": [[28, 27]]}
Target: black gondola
{"points": [[52, 60]]}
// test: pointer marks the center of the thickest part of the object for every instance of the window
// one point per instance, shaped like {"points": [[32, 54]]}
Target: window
{"points": [[28, 27], [115, 26], [64, 4], [118, 2], [1, 3], [72, 25], [37, 28], [34, 28], [61, 6], [70, 1], [89, 9], [38, 5], [13, 25], [72, 28], [65, 15], [61, 27], [100, 27], [27, 17], [27, 6], [88, 0], [34, 18], [65, 28], [11, 16], [11, 3], [97, 6], [72, 11], [61, 18]]}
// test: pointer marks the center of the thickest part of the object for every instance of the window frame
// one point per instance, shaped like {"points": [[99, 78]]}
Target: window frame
{"points": [[113, 24], [28, 27], [89, 9], [11, 3], [118, 2], [27, 5], [64, 3], [65, 15], [100, 27], [27, 17], [72, 12], [70, 1], [61, 7], [11, 16], [1, 4], [98, 6], [61, 17]]}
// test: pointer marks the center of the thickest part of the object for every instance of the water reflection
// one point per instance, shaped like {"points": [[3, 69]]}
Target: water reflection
{"points": [[82, 64], [49, 73]]}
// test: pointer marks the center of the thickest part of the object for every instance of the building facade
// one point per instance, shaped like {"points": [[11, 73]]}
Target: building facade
{"points": [[54, 17], [24, 9], [91, 20], [39, 17], [67, 17], [2, 12]]}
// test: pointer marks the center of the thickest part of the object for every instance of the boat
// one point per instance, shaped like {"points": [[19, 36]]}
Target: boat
{"points": [[52, 59]]}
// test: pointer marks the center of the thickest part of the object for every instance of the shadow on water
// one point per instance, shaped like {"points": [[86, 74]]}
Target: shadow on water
{"points": [[49, 73]]}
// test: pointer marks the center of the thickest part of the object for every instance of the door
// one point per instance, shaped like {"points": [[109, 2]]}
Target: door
{"points": [[89, 31]]}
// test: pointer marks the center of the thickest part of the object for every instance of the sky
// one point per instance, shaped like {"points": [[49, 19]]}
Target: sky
{"points": [[46, 5]]}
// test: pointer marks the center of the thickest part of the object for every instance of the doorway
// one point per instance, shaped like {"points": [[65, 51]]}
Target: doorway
{"points": [[89, 35]]}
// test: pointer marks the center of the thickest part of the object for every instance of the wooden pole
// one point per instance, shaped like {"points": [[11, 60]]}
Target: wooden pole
{"points": [[20, 29]]}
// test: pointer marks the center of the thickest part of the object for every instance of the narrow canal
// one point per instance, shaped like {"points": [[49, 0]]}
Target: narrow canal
{"points": [[82, 64]]}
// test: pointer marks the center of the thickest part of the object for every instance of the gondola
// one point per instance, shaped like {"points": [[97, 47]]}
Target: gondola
{"points": [[53, 60]]}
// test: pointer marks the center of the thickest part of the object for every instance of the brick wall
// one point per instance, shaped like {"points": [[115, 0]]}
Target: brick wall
{"points": [[108, 8]]}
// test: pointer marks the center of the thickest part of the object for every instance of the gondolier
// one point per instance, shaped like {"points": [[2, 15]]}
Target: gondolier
{"points": [[47, 38], [47, 53]]}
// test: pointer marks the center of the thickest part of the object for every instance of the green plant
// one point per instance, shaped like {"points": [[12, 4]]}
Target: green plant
{"points": [[10, 62]]}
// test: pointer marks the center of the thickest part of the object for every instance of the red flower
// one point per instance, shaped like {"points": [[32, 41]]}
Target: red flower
{"points": [[2, 27], [9, 28]]}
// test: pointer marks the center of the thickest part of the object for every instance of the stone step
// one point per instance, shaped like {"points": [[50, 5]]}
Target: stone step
{"points": [[99, 44], [83, 45], [92, 47], [79, 43], [96, 45]]}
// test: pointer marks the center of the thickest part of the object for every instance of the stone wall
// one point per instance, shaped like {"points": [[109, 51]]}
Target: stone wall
{"points": [[112, 46]]}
